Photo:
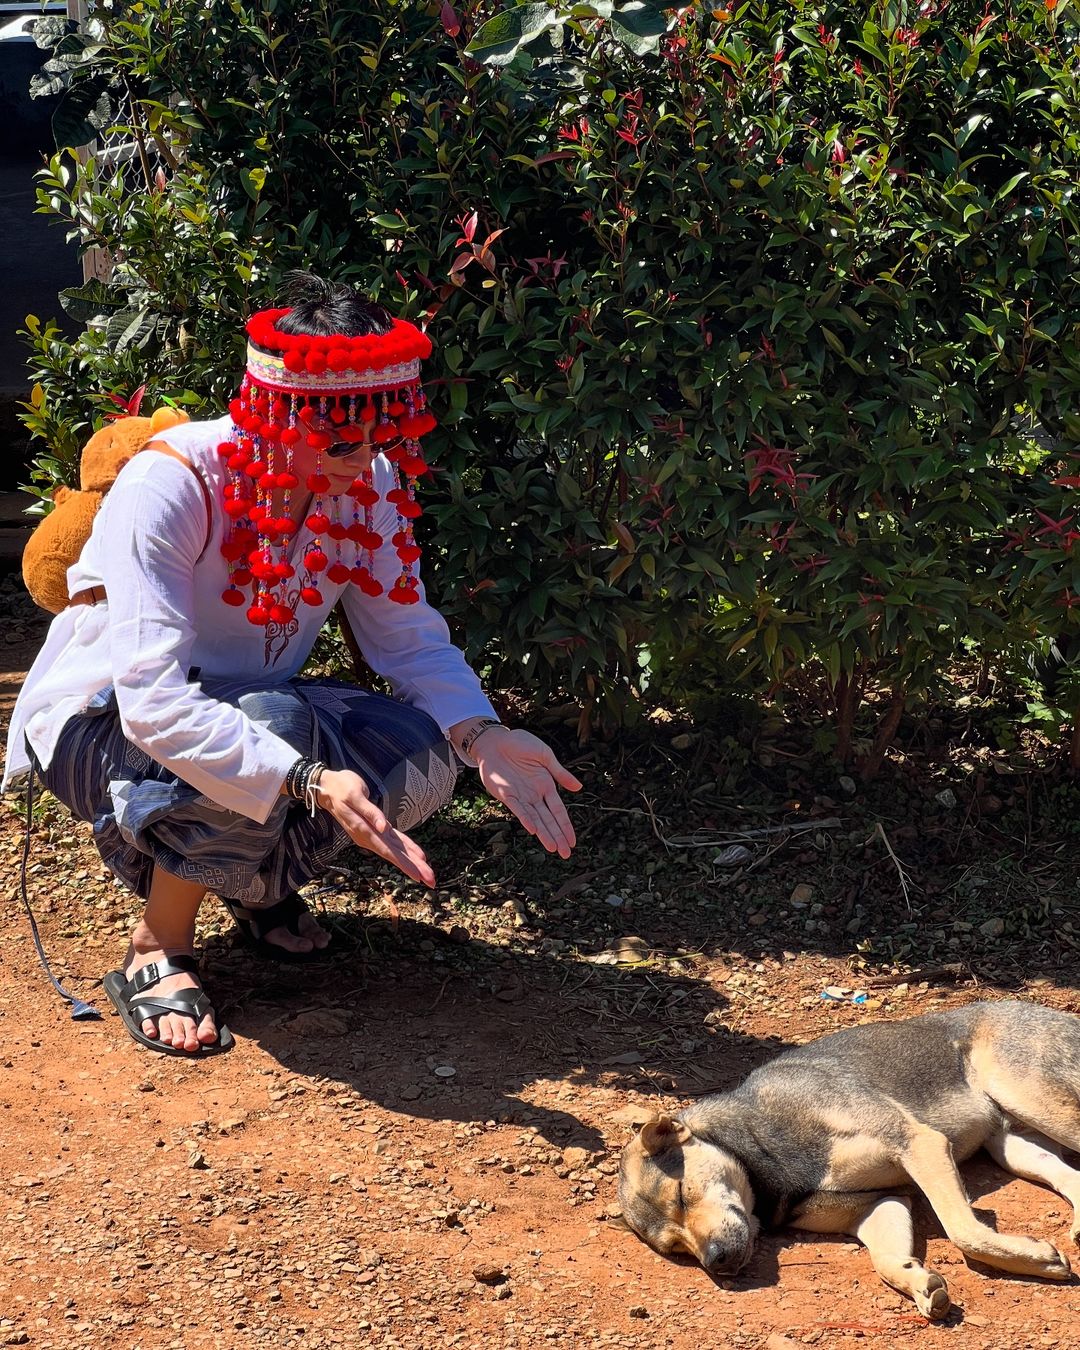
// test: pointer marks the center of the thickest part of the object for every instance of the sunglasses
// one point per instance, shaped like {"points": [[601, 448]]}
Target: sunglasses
{"points": [[341, 449]]}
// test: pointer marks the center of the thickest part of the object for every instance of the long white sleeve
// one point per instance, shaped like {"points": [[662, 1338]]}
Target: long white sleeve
{"points": [[154, 519], [409, 645]]}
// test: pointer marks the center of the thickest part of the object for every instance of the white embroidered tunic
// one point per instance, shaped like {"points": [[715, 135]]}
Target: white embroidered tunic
{"points": [[165, 625]]}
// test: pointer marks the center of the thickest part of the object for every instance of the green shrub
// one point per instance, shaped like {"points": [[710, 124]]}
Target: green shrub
{"points": [[753, 324]]}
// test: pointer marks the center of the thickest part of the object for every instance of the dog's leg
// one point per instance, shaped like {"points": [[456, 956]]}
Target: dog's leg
{"points": [[1035, 1158], [929, 1162], [885, 1231]]}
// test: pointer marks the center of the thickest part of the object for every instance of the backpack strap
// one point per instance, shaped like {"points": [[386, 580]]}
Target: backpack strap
{"points": [[164, 449]]}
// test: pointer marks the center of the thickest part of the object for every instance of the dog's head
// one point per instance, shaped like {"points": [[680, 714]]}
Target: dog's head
{"points": [[682, 1194]]}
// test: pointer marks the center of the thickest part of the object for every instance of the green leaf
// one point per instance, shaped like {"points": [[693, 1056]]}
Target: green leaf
{"points": [[84, 110], [91, 300], [1007, 189], [47, 32], [44, 86], [969, 128], [129, 328], [498, 41], [639, 26]]}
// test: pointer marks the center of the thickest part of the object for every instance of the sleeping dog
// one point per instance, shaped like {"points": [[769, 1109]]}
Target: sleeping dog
{"points": [[821, 1137]]}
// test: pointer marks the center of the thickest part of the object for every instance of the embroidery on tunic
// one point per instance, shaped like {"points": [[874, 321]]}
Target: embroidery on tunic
{"points": [[278, 635]]}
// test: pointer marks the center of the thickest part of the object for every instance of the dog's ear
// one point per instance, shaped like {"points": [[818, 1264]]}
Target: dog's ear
{"points": [[662, 1133], [633, 1115]]}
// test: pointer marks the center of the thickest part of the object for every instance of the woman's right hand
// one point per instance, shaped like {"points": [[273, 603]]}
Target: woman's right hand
{"points": [[345, 795]]}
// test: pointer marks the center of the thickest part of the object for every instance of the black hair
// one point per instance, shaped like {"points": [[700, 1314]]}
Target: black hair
{"points": [[322, 308]]}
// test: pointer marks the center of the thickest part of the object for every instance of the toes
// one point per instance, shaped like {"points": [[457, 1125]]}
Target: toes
{"points": [[179, 1032], [312, 929], [311, 936], [935, 1302], [1057, 1266], [290, 942]]}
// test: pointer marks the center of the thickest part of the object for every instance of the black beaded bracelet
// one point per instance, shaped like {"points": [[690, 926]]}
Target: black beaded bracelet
{"points": [[302, 780]]}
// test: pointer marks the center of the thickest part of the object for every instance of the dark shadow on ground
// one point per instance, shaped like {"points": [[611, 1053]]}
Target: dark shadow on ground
{"points": [[393, 1007]]}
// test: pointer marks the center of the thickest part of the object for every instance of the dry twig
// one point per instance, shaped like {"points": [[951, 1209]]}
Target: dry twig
{"points": [[879, 830]]}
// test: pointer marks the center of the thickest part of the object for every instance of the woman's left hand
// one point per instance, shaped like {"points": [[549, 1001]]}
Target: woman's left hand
{"points": [[520, 771]]}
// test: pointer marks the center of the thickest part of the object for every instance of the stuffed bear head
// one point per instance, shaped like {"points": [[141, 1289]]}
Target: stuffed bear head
{"points": [[56, 543]]}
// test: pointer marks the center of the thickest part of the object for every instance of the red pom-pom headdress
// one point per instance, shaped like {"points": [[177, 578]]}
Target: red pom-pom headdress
{"points": [[369, 388]]}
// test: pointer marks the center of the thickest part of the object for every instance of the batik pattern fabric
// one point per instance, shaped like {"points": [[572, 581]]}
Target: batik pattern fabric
{"points": [[144, 815]]}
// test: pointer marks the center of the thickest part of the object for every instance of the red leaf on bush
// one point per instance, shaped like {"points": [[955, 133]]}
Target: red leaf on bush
{"points": [[467, 226], [450, 21], [129, 407], [1053, 526]]}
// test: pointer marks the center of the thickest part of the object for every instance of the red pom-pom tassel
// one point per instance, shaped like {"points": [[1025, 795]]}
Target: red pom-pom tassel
{"points": [[367, 583], [362, 493]]}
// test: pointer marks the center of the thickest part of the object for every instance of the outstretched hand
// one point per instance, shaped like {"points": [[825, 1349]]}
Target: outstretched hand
{"points": [[345, 795], [520, 771]]}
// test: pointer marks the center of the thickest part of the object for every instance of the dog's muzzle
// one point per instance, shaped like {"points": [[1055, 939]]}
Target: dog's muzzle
{"points": [[726, 1253]]}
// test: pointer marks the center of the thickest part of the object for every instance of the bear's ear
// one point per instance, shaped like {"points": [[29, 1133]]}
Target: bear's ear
{"points": [[60, 494], [662, 1133]]}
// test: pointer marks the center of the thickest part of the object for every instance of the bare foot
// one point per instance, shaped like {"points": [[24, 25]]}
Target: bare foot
{"points": [[170, 1028], [312, 935]]}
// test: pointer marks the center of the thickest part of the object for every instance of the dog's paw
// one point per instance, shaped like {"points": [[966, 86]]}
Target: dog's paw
{"points": [[933, 1300], [1057, 1263], [1025, 1256]]}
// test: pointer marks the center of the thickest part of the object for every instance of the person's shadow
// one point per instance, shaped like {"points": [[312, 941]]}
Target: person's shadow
{"points": [[427, 1022]]}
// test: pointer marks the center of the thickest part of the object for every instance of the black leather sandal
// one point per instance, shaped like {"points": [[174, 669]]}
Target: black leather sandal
{"points": [[256, 923], [135, 1005]]}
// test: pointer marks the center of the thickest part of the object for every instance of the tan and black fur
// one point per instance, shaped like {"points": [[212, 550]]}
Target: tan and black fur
{"points": [[821, 1137]]}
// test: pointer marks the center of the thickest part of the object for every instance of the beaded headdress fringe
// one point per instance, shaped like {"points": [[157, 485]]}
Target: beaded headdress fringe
{"points": [[369, 389]]}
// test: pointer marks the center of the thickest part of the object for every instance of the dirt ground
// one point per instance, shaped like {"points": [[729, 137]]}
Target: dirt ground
{"points": [[415, 1142]]}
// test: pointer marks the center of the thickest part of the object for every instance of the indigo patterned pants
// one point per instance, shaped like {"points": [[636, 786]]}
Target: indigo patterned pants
{"points": [[144, 815]]}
